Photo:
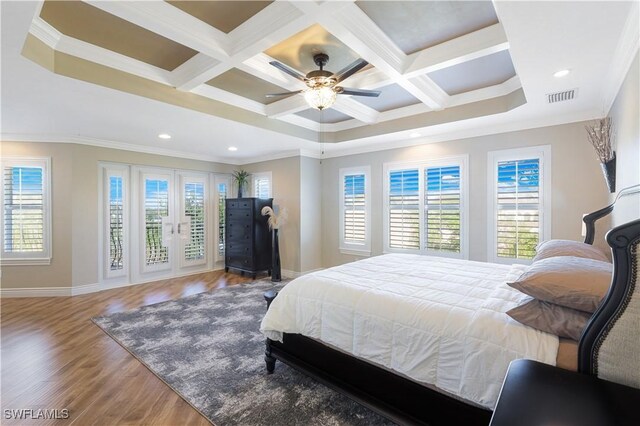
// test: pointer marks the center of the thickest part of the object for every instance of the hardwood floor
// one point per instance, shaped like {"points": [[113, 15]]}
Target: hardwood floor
{"points": [[54, 357]]}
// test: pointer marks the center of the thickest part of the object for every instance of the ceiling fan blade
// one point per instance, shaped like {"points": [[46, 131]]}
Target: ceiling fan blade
{"points": [[274, 95], [359, 92], [350, 69], [286, 69]]}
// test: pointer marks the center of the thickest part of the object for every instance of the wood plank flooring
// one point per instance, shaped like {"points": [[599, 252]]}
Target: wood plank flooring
{"points": [[54, 357]]}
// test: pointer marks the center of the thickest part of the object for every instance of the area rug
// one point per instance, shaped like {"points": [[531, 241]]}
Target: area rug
{"points": [[208, 348]]}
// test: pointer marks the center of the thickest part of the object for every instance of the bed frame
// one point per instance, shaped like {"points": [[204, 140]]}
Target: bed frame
{"points": [[407, 402]]}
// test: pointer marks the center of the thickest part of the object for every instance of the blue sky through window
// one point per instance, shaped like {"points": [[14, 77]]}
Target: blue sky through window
{"points": [[443, 179], [354, 184], [520, 175], [404, 182]]}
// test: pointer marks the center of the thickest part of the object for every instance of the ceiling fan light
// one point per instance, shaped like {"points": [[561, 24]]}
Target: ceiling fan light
{"points": [[320, 97]]}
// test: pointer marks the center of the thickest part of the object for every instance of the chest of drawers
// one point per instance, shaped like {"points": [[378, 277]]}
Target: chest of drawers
{"points": [[247, 235]]}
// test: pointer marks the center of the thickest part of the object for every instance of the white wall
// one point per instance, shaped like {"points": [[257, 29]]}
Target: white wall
{"points": [[625, 116], [577, 184]]}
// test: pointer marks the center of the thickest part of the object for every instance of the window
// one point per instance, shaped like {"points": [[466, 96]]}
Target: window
{"points": [[442, 207], [261, 185], [222, 186], [355, 211], [115, 220], [520, 203], [26, 226], [426, 207], [195, 212]]}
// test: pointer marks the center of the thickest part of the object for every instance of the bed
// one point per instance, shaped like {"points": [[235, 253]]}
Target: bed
{"points": [[361, 328]]}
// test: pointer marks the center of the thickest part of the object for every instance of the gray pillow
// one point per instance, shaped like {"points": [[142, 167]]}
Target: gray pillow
{"points": [[555, 248], [550, 318], [569, 281]]}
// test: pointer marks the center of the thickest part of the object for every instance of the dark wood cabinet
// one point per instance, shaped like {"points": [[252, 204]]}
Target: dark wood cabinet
{"points": [[247, 235]]}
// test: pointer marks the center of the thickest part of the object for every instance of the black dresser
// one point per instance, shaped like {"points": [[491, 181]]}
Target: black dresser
{"points": [[247, 235]]}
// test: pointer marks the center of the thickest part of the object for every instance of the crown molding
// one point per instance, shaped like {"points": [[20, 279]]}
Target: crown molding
{"points": [[104, 143], [628, 47], [489, 129], [45, 32]]}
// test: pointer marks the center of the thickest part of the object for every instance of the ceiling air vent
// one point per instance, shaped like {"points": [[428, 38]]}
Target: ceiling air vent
{"points": [[567, 95]]}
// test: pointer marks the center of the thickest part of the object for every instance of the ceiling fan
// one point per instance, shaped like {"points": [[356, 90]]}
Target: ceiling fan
{"points": [[322, 85]]}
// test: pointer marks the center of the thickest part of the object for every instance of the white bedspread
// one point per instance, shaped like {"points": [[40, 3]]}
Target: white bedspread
{"points": [[436, 320]]}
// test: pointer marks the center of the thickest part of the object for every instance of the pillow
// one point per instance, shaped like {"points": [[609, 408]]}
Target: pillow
{"points": [[550, 318], [573, 282], [554, 248]]}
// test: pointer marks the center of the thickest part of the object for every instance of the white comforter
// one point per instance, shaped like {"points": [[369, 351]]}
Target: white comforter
{"points": [[436, 320]]}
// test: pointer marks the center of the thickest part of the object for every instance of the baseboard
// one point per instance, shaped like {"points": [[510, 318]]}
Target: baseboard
{"points": [[36, 292], [295, 274], [81, 289]]}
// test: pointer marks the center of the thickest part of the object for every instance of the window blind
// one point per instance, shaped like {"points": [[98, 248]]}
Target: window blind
{"points": [[156, 206], [262, 187], [194, 209], [24, 215], [518, 208], [442, 205], [116, 223], [404, 209], [222, 196], [354, 208]]}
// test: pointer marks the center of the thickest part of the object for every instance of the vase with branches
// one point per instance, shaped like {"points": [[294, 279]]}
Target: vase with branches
{"points": [[601, 137], [275, 222], [241, 178]]}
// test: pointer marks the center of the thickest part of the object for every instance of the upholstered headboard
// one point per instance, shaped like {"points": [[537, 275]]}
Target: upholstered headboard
{"points": [[610, 344]]}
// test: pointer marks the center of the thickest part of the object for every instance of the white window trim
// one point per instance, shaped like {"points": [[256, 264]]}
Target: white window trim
{"points": [[36, 258], [542, 152], [351, 248], [452, 160], [106, 170], [261, 175]]}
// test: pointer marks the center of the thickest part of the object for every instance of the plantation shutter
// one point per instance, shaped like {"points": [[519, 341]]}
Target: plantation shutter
{"points": [[194, 209], [222, 196], [404, 209], [156, 206], [354, 208], [262, 187], [442, 204], [24, 210], [116, 223], [518, 208]]}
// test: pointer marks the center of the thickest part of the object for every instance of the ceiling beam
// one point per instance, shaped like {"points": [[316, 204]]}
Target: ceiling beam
{"points": [[477, 44], [275, 23], [349, 106], [289, 105]]}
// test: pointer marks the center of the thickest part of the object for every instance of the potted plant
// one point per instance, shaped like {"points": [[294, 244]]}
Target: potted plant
{"points": [[241, 178], [601, 137]]}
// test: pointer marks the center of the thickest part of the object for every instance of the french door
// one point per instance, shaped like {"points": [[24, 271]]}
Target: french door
{"points": [[171, 224], [159, 223]]}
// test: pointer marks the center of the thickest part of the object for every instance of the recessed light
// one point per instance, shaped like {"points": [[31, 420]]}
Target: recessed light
{"points": [[561, 73], [232, 148], [164, 136], [414, 135]]}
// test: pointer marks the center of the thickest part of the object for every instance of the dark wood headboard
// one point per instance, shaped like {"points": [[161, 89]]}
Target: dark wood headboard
{"points": [[591, 219], [624, 241]]}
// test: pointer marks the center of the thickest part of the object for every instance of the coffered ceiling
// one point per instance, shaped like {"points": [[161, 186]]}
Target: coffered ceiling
{"points": [[442, 67], [421, 55]]}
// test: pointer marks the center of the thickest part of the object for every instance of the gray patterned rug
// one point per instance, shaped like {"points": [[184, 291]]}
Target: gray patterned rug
{"points": [[208, 348]]}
